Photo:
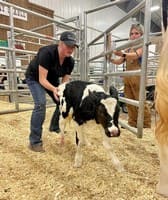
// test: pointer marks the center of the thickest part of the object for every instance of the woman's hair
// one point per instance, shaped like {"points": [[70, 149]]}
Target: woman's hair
{"points": [[138, 27]]}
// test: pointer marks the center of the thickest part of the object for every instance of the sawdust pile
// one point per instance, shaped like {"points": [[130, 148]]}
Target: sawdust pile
{"points": [[25, 175]]}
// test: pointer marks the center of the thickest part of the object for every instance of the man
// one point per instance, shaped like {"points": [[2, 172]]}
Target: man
{"points": [[42, 75]]}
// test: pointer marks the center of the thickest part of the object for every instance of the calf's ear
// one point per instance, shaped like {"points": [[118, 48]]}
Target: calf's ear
{"points": [[113, 92]]}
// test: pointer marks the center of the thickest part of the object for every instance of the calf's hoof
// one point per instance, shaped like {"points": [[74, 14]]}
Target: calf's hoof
{"points": [[78, 161], [76, 165]]}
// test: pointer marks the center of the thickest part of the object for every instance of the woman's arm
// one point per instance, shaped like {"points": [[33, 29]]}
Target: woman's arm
{"points": [[129, 55]]}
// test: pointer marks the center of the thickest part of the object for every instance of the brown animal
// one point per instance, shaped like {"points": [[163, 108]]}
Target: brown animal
{"points": [[161, 131]]}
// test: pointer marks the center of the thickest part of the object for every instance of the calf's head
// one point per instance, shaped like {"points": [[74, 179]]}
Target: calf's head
{"points": [[107, 115], [113, 92]]}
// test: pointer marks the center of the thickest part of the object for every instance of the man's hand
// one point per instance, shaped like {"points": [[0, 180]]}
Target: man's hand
{"points": [[55, 93]]}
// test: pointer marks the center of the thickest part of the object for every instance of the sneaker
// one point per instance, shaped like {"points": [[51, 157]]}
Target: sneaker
{"points": [[36, 148]]}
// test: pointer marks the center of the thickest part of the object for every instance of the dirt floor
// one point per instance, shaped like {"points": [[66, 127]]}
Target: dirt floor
{"points": [[26, 175]]}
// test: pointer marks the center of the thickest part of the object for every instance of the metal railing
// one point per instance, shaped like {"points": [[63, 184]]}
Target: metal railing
{"points": [[141, 42]]}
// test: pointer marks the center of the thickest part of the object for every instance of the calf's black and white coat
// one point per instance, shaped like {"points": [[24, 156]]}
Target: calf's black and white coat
{"points": [[84, 101]]}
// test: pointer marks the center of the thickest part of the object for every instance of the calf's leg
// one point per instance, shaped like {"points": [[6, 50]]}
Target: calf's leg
{"points": [[80, 143], [62, 125], [107, 145]]}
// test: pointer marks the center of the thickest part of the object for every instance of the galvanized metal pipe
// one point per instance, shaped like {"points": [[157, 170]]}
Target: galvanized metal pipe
{"points": [[107, 5], [142, 94], [126, 17]]}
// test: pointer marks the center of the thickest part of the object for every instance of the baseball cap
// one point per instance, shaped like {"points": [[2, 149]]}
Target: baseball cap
{"points": [[69, 38]]}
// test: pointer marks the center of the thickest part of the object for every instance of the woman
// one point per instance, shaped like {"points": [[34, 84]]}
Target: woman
{"points": [[133, 57], [42, 75]]}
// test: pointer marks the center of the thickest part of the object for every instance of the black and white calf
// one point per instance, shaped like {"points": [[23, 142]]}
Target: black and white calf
{"points": [[83, 101]]}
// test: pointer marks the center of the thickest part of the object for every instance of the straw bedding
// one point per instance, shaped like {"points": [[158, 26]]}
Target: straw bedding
{"points": [[51, 176]]}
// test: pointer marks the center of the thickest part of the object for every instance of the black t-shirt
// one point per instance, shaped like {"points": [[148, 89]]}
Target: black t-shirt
{"points": [[48, 58]]}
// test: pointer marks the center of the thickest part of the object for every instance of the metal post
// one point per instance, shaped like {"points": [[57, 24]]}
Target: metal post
{"points": [[147, 23], [105, 84], [13, 76], [84, 67], [79, 38]]}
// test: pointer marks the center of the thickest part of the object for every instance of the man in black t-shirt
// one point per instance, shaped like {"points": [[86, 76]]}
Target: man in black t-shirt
{"points": [[42, 75]]}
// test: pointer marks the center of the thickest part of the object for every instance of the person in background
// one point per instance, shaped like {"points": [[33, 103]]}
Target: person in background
{"points": [[3, 77], [42, 75], [133, 58]]}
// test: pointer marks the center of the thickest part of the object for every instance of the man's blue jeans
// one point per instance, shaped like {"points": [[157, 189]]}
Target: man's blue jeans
{"points": [[39, 111]]}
